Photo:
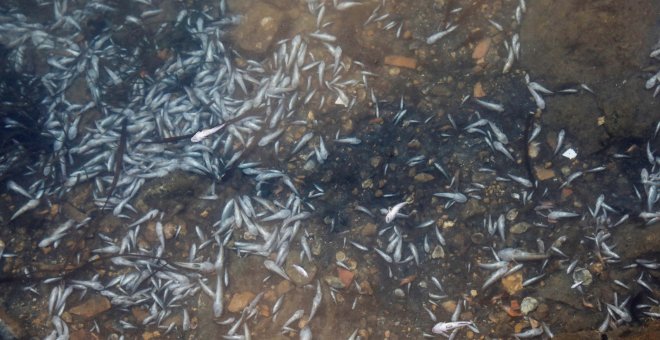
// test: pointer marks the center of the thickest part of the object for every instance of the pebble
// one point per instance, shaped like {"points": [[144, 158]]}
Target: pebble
{"points": [[519, 228], [365, 288], [584, 275], [533, 150], [478, 90], [481, 49], [394, 71], [424, 177], [92, 307], [477, 238], [340, 256], [345, 276], [256, 31], [438, 252], [401, 61], [368, 229], [334, 282], [283, 287], [513, 283], [414, 144], [376, 161], [399, 293], [511, 215], [449, 306], [239, 301], [298, 278], [528, 305], [543, 174]]}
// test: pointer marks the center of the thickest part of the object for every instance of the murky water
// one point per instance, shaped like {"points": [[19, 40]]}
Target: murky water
{"points": [[373, 169]]}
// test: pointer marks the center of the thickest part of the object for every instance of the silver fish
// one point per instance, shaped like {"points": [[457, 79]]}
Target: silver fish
{"points": [[273, 267], [437, 36], [490, 106], [514, 254]]}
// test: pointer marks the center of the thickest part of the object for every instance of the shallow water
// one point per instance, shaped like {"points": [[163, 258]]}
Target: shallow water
{"points": [[364, 114]]}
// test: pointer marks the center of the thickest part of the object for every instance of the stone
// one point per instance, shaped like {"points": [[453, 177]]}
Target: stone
{"points": [[92, 307], [438, 252], [258, 27], [519, 227], [513, 283], [239, 301], [423, 177], [345, 276], [297, 277], [472, 208], [449, 306], [477, 238], [169, 230], [368, 229], [528, 305], [399, 293], [365, 288], [150, 335], [543, 174], [334, 282], [582, 275], [481, 49], [375, 161], [401, 61], [283, 287], [533, 150], [478, 90]]}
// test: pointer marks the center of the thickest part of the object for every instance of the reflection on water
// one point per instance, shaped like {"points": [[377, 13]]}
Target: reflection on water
{"points": [[327, 169]]}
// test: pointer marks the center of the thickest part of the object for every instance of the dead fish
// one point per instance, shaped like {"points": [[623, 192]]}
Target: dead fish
{"points": [[31, 204], [489, 105], [454, 196], [445, 327], [200, 135], [524, 181], [555, 215], [560, 141], [514, 254], [391, 212], [273, 267], [437, 36], [494, 277], [501, 148]]}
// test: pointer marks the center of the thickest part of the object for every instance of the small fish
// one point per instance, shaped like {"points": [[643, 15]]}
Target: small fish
{"points": [[217, 301], [200, 135], [530, 333], [514, 254], [316, 302], [455, 196], [437, 36], [31, 204], [524, 181], [391, 212], [560, 141], [501, 148], [445, 327], [273, 267], [490, 106], [348, 140], [555, 215], [498, 274]]}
